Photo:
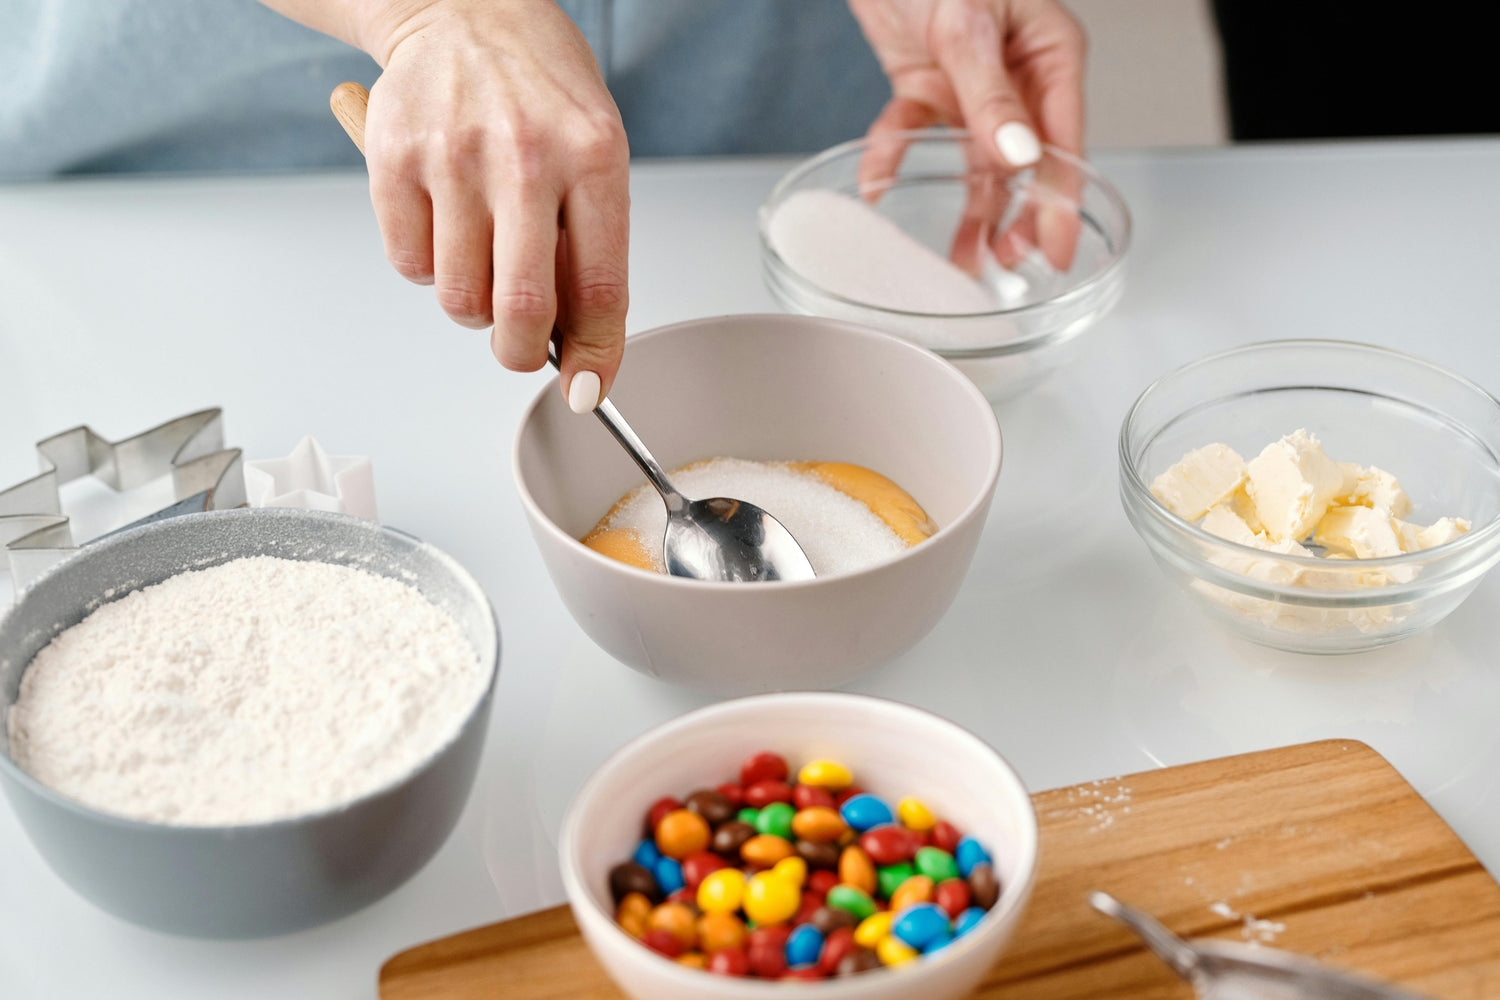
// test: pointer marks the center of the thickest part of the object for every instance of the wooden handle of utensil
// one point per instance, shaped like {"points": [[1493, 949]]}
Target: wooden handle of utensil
{"points": [[350, 102]]}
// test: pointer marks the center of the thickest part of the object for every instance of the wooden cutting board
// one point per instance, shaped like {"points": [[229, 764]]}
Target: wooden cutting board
{"points": [[1322, 849]]}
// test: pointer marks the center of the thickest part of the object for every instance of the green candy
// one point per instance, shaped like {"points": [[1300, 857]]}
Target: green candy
{"points": [[748, 815], [775, 819], [936, 863], [889, 877], [851, 899]]}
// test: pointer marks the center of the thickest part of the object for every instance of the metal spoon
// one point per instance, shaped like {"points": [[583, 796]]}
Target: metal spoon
{"points": [[715, 539], [1221, 969]]}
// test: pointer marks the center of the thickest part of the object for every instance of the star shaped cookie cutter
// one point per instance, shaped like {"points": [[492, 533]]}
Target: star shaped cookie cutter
{"points": [[34, 532]]}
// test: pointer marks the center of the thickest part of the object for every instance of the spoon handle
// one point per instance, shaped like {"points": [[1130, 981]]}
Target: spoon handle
{"points": [[633, 445], [1170, 948]]}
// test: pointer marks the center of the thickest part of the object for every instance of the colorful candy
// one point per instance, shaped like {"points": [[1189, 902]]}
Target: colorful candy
{"points": [[799, 875]]}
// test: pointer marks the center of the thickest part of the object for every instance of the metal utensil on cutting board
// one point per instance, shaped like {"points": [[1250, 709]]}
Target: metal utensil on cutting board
{"points": [[1222, 970], [715, 539]]}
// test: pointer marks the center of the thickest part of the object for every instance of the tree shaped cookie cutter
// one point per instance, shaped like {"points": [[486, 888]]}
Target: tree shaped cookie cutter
{"points": [[34, 531]]}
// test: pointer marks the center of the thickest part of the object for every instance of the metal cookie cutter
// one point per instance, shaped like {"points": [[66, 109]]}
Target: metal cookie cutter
{"points": [[35, 533]]}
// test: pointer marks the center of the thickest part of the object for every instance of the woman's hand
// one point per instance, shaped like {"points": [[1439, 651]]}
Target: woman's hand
{"points": [[499, 172], [1011, 72]]}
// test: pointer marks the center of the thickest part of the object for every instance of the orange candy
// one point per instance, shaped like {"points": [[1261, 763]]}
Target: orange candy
{"points": [[765, 849], [677, 920], [818, 824], [917, 889], [693, 960], [717, 931], [632, 913], [856, 869], [681, 833]]}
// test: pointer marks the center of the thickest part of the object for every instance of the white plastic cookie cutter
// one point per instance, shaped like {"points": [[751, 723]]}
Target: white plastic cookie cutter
{"points": [[310, 478]]}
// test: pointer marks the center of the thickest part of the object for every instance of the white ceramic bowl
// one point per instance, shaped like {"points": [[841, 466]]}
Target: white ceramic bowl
{"points": [[933, 197], [893, 749], [764, 387]]}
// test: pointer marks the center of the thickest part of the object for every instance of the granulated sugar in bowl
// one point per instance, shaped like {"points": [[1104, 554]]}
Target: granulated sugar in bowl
{"points": [[248, 692]]}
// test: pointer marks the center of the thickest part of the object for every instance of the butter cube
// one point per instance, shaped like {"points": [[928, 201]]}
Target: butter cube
{"points": [[1372, 487], [1225, 522], [1361, 532], [1204, 477], [1292, 484], [1415, 538]]}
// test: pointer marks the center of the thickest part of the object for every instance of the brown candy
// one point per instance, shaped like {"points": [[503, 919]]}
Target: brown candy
{"points": [[984, 886], [629, 877], [818, 855], [730, 837], [828, 919], [713, 806], [857, 961]]}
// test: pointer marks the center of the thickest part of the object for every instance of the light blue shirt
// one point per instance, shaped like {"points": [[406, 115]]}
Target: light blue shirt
{"points": [[199, 85]]}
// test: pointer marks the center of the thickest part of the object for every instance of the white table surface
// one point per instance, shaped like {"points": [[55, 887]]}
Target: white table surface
{"points": [[125, 302]]}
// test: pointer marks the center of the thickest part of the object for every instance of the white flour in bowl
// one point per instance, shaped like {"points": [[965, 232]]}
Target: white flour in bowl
{"points": [[252, 691]]}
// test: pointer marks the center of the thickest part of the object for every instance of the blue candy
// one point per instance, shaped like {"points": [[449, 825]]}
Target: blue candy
{"points": [[970, 853], [967, 920], [938, 943], [668, 876], [864, 811], [920, 924], [646, 855], [803, 946]]}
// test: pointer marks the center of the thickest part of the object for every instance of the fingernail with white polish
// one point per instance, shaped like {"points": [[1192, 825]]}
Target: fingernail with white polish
{"points": [[583, 392], [1018, 144]]}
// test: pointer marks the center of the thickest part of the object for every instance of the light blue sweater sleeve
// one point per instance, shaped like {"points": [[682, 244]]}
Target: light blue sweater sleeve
{"points": [[202, 85]]}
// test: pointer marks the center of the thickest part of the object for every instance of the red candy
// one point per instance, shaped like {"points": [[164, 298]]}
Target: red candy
{"points": [[684, 895], [766, 961], [808, 796], [822, 881], [945, 836], [763, 767], [697, 867], [847, 793], [734, 792], [658, 809], [729, 962], [804, 972], [839, 944], [773, 936], [663, 942], [888, 845], [763, 793], [953, 896]]}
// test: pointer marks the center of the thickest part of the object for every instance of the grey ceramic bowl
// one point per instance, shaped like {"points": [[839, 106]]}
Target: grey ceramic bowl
{"points": [[265, 878], [764, 387]]}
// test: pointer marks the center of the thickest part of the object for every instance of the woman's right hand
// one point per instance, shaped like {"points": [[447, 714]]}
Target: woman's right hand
{"points": [[499, 171]]}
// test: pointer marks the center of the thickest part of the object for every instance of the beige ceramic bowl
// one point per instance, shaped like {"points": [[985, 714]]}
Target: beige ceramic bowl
{"points": [[764, 387], [893, 749]]}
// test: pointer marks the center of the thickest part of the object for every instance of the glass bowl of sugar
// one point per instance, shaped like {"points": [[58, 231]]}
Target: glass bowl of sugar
{"points": [[922, 235]]}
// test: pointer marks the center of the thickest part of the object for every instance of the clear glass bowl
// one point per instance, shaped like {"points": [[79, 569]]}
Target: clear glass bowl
{"points": [[1048, 243], [1436, 431]]}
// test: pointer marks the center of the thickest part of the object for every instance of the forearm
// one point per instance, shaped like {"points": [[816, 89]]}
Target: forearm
{"points": [[372, 25]]}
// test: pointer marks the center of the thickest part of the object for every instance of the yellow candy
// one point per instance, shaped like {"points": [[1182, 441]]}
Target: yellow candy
{"points": [[914, 815], [770, 900], [874, 929], [793, 869], [721, 891], [893, 951], [825, 774]]}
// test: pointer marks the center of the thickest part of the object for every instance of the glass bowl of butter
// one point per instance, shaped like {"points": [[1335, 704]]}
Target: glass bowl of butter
{"points": [[1317, 496], [922, 235]]}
